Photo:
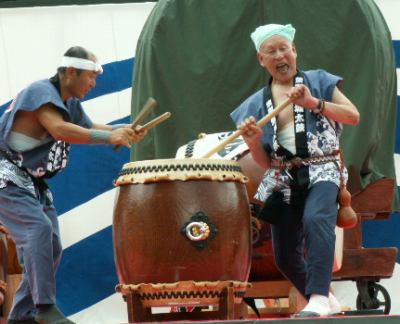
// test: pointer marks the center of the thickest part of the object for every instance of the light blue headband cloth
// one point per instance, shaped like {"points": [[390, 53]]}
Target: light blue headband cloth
{"points": [[262, 33]]}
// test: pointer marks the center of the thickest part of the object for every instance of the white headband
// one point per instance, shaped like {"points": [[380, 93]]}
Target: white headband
{"points": [[80, 63]]}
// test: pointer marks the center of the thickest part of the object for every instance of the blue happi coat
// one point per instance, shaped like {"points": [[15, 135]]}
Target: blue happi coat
{"points": [[50, 156], [320, 135]]}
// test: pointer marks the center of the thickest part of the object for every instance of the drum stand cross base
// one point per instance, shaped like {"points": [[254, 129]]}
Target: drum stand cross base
{"points": [[227, 310]]}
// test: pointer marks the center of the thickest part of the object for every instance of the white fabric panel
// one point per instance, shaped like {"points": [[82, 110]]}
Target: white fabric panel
{"points": [[87, 219], [4, 84], [391, 10], [346, 291], [110, 310], [108, 108], [398, 81], [397, 167], [35, 39]]}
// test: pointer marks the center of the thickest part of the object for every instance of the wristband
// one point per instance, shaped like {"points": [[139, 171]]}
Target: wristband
{"points": [[320, 107], [97, 136]]}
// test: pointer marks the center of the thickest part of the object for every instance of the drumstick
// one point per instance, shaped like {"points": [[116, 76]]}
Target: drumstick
{"points": [[148, 106], [154, 122], [262, 122]]}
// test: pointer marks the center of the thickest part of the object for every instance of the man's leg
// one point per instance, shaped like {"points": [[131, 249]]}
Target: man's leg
{"points": [[23, 307], [22, 214], [287, 238], [49, 313], [51, 213], [319, 221]]}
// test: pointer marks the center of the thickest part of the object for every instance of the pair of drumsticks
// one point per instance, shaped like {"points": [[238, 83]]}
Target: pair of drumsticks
{"points": [[151, 103], [147, 108]]}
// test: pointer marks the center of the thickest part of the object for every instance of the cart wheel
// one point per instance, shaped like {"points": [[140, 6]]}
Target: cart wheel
{"points": [[380, 299]]}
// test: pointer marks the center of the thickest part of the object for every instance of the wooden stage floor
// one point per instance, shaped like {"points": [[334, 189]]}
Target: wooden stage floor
{"points": [[354, 319]]}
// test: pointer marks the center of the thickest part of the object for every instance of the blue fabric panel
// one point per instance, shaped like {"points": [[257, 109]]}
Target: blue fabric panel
{"points": [[397, 146], [396, 46], [382, 233], [116, 76], [92, 257], [91, 171]]}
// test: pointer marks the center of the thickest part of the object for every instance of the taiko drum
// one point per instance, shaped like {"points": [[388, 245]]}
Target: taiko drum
{"points": [[181, 219], [263, 265]]}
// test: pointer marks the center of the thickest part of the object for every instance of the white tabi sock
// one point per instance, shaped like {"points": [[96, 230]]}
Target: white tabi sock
{"points": [[334, 304], [318, 304]]}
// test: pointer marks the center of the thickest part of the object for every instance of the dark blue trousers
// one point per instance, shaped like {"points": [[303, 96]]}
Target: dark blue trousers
{"points": [[32, 223], [304, 240]]}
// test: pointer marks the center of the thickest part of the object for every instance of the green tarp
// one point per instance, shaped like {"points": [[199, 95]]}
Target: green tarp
{"points": [[197, 59]]}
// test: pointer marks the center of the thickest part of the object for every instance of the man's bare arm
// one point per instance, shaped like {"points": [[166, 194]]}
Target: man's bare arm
{"points": [[51, 119]]}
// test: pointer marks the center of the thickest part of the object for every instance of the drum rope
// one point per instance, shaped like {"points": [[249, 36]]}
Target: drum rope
{"points": [[180, 167]]}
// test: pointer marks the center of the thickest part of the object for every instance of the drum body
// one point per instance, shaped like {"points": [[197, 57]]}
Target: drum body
{"points": [[263, 265], [158, 209]]}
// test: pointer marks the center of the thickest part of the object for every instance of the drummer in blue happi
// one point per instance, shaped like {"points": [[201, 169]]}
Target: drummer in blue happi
{"points": [[35, 136], [300, 151]]}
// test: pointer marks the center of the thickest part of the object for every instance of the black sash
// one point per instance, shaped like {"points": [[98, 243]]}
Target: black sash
{"points": [[299, 176], [39, 183]]}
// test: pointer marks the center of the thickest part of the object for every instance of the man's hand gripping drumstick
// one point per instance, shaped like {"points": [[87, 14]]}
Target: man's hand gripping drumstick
{"points": [[250, 130], [140, 131], [137, 135]]}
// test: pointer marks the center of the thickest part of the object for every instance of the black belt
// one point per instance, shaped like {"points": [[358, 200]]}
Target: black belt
{"points": [[298, 162]]}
